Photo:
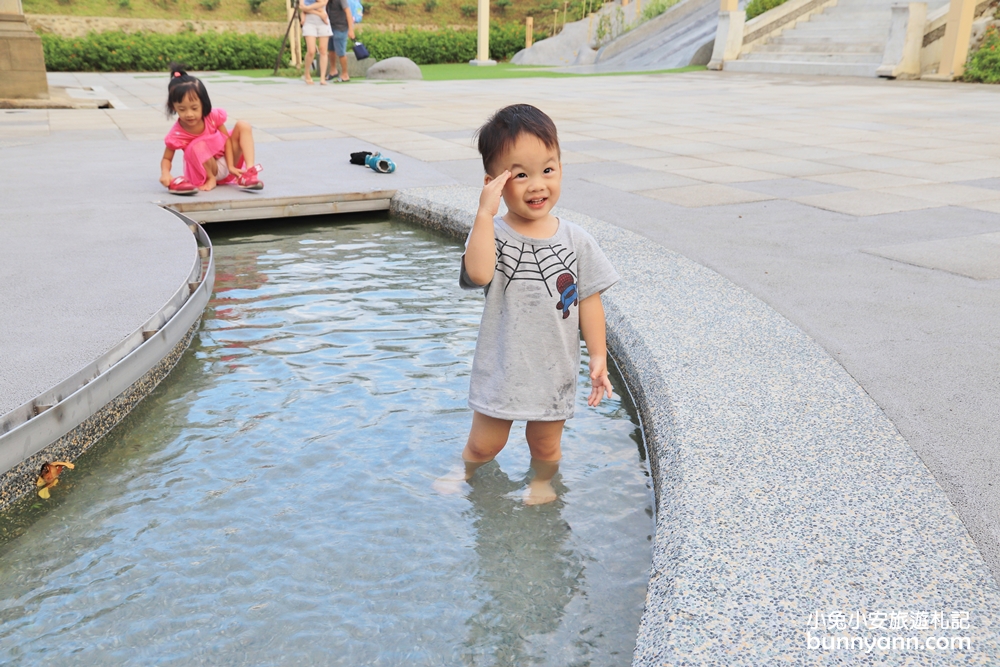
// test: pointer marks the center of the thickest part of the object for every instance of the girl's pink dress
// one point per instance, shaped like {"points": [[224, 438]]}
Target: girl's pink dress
{"points": [[198, 148]]}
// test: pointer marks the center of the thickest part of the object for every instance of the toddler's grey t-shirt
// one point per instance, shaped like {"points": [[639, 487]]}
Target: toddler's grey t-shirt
{"points": [[528, 351]]}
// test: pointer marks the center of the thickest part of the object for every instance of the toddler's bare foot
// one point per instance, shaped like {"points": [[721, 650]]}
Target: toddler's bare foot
{"points": [[450, 483], [539, 492], [455, 480]]}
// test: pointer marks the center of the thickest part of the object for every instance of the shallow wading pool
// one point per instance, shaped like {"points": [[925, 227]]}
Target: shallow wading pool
{"points": [[271, 502]]}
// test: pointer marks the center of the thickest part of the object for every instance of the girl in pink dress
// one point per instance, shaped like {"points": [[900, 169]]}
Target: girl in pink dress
{"points": [[212, 156]]}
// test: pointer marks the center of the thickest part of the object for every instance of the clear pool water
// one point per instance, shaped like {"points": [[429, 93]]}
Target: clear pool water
{"points": [[271, 502]]}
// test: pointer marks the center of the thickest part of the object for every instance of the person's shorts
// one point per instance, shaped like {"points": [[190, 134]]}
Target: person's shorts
{"points": [[314, 27], [338, 42]]}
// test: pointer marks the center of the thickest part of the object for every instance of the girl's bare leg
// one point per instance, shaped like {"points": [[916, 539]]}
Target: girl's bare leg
{"points": [[486, 438], [545, 443], [211, 171], [310, 54], [324, 60], [242, 143]]}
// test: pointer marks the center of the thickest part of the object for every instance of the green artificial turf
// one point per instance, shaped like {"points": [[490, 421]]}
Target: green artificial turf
{"points": [[462, 71]]}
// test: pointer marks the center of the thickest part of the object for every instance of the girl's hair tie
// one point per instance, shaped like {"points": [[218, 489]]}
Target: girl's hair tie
{"points": [[177, 74]]}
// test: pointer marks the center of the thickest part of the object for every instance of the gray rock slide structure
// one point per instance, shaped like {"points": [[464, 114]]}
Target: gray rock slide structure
{"points": [[672, 39], [572, 46], [395, 68]]}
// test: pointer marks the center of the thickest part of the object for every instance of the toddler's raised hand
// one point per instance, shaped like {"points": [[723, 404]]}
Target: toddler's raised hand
{"points": [[489, 200]]}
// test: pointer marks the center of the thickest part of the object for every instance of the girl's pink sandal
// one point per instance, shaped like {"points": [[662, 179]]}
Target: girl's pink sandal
{"points": [[182, 186], [248, 179]]}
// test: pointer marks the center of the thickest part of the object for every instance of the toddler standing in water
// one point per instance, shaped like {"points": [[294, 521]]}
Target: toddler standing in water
{"points": [[212, 156], [543, 279]]}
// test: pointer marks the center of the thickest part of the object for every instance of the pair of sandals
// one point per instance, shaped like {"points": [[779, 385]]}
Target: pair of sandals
{"points": [[336, 79], [374, 161], [246, 181]]}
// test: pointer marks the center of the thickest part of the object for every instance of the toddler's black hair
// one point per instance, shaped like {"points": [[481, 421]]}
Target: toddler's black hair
{"points": [[181, 83], [499, 133]]}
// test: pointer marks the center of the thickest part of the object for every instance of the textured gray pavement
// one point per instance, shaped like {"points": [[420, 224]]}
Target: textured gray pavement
{"points": [[799, 190]]}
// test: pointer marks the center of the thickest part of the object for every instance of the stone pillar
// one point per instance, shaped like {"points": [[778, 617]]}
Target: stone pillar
{"points": [[901, 58], [957, 34], [483, 36], [729, 36], [22, 62]]}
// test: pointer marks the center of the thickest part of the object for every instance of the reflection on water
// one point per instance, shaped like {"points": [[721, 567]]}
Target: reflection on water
{"points": [[271, 502]]}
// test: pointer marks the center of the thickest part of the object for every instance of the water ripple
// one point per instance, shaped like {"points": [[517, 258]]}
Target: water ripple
{"points": [[271, 502]]}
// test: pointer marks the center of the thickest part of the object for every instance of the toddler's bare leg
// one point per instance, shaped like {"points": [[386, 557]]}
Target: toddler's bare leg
{"points": [[486, 438], [545, 443]]}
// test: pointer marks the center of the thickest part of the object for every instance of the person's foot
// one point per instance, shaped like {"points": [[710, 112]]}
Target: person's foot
{"points": [[539, 493], [452, 482], [309, 80]]}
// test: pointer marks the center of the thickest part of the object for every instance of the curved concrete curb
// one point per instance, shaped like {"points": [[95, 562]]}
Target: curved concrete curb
{"points": [[782, 490], [64, 421]]}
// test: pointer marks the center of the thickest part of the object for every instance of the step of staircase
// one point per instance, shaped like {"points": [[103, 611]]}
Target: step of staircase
{"points": [[798, 67], [818, 47], [847, 58]]}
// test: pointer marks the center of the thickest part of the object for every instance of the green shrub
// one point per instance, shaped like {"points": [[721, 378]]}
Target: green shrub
{"points": [[656, 7], [468, 10], [210, 5], [395, 5], [502, 5], [430, 6], [983, 65], [426, 47], [152, 52], [255, 5], [758, 7], [124, 4]]}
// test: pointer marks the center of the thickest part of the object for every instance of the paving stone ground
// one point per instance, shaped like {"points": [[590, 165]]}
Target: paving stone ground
{"points": [[864, 211]]}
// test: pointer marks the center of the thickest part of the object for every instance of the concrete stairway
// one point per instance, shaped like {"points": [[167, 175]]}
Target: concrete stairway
{"points": [[847, 39]]}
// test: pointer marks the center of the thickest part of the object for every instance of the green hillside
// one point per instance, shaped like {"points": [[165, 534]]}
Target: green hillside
{"points": [[380, 12]]}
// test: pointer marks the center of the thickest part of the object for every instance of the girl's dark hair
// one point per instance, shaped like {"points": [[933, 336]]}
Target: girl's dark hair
{"points": [[181, 83], [501, 131]]}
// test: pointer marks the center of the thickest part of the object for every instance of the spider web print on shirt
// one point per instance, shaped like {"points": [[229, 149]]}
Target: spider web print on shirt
{"points": [[520, 261]]}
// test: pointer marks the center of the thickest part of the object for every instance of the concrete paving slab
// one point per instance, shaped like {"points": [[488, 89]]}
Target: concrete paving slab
{"points": [[865, 202], [642, 181], [790, 188], [977, 256], [695, 196], [945, 193], [728, 174], [867, 180]]}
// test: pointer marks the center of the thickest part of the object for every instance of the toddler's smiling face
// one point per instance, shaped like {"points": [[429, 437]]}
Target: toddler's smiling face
{"points": [[534, 185]]}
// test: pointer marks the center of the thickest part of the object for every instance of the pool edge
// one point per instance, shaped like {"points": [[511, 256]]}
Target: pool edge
{"points": [[712, 597]]}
